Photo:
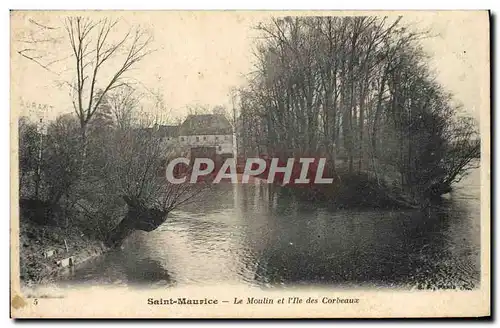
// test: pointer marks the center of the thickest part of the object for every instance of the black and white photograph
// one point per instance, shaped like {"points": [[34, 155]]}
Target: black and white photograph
{"points": [[250, 164]]}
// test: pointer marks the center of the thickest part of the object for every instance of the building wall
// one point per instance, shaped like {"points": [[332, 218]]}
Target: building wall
{"points": [[170, 141], [222, 143]]}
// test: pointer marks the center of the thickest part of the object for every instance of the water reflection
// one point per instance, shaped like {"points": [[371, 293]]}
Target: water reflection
{"points": [[121, 268], [249, 234]]}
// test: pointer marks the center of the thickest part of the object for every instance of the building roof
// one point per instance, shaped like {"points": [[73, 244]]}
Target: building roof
{"points": [[206, 124], [162, 131], [168, 131]]}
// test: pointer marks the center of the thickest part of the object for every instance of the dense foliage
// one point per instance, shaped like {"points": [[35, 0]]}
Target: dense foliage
{"points": [[358, 91]]}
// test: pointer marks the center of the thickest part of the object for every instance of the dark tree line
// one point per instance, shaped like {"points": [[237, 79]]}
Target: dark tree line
{"points": [[98, 168], [120, 188], [358, 91]]}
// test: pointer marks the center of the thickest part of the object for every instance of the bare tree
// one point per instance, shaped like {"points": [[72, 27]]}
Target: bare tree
{"points": [[124, 101], [135, 171], [98, 59], [91, 51], [356, 90]]}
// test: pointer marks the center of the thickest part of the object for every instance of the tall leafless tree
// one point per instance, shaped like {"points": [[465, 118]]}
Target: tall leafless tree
{"points": [[98, 58]]}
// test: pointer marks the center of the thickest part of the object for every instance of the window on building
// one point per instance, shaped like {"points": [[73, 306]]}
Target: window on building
{"points": [[216, 137], [197, 138], [182, 138], [220, 148], [204, 138]]}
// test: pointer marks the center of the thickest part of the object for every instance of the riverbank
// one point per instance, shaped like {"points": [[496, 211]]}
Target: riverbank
{"points": [[47, 251], [354, 191]]}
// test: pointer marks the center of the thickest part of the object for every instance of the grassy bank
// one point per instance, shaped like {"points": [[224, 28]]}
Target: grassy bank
{"points": [[355, 190]]}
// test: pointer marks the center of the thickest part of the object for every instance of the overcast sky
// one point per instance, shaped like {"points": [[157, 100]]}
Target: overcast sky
{"points": [[201, 56]]}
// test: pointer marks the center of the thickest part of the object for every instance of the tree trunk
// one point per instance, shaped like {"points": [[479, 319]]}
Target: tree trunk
{"points": [[138, 218], [83, 135]]}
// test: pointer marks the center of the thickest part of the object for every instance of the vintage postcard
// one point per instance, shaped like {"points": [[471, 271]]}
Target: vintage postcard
{"points": [[250, 164]]}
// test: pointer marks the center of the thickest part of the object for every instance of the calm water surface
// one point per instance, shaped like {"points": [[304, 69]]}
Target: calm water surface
{"points": [[246, 235]]}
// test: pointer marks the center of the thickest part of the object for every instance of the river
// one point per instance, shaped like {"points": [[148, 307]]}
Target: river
{"points": [[243, 234]]}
